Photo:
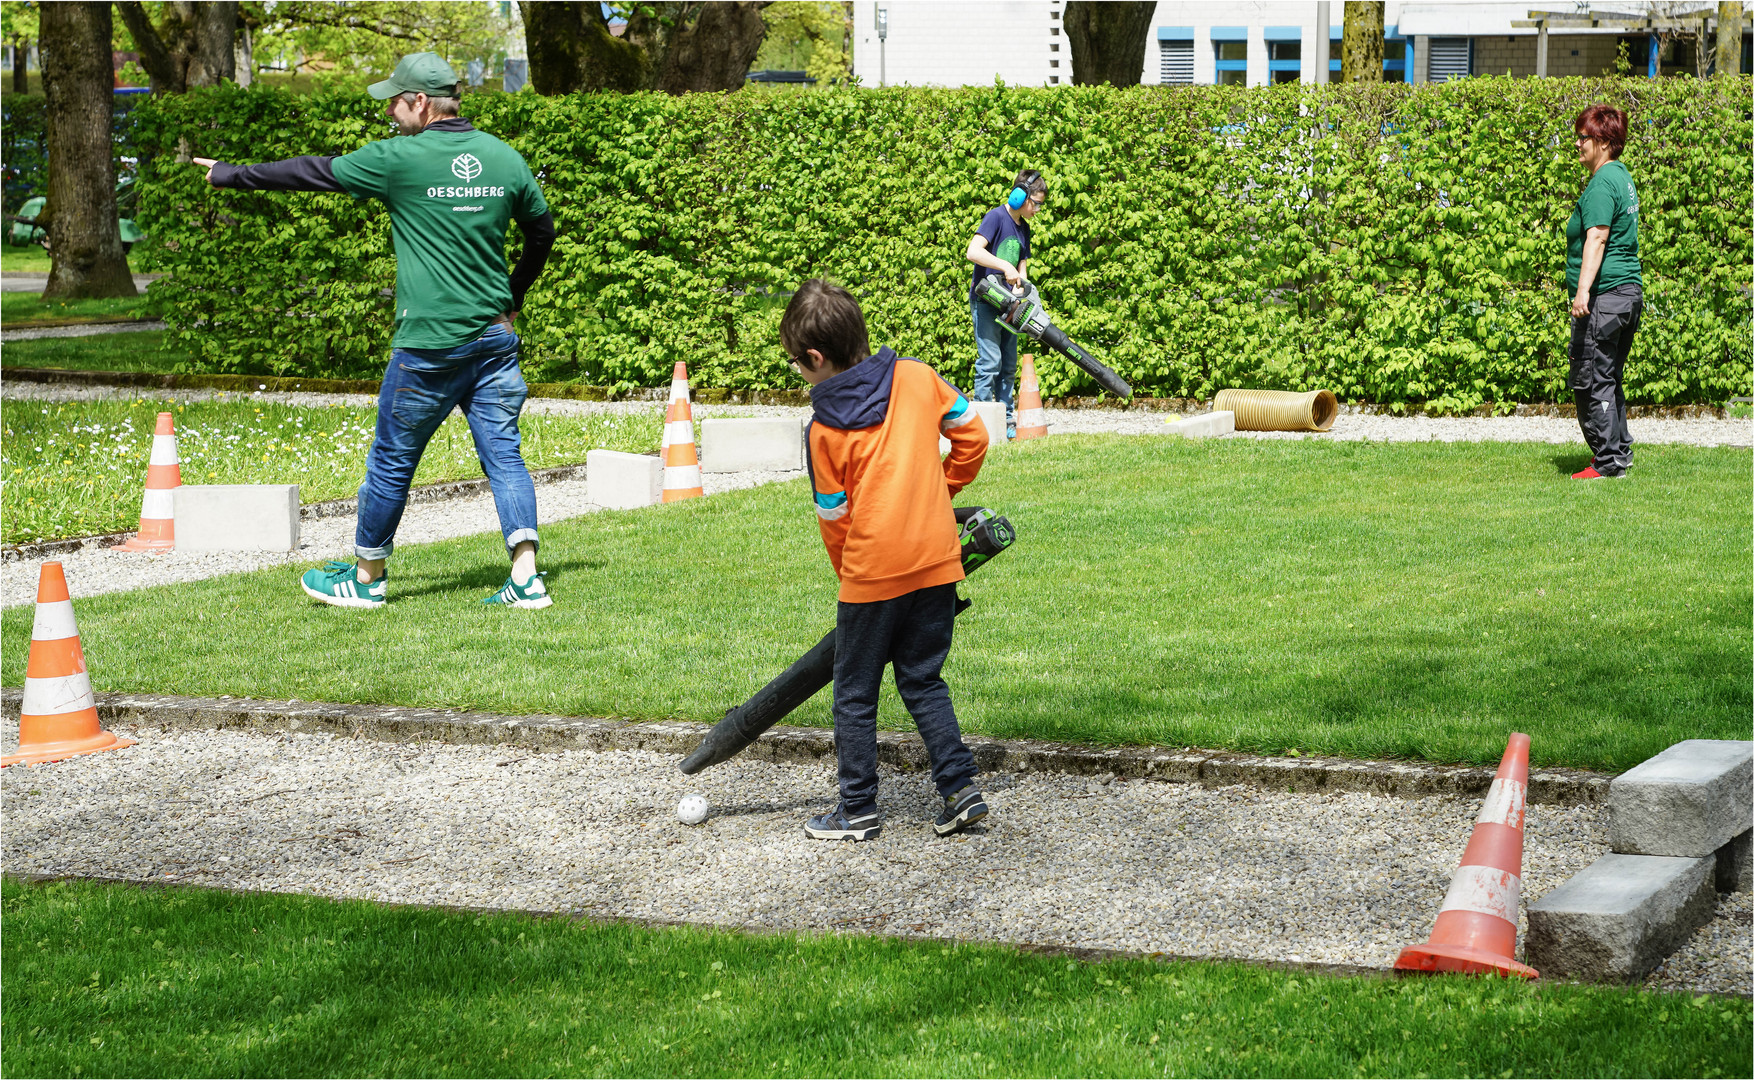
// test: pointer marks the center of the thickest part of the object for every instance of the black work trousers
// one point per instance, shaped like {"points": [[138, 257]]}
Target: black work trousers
{"points": [[913, 632], [1599, 344]]}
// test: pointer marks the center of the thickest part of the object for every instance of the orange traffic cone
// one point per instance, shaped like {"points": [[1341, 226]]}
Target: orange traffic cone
{"points": [[163, 476], [681, 460], [58, 718], [1031, 423], [678, 392], [1476, 928]]}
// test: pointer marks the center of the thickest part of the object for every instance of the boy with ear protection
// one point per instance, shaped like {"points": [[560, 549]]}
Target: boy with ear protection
{"points": [[1001, 247]]}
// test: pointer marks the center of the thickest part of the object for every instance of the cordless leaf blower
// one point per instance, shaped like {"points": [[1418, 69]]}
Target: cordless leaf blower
{"points": [[984, 535], [1021, 312]]}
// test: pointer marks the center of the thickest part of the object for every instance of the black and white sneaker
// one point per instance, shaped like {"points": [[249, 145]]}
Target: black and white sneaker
{"points": [[836, 825], [960, 811]]}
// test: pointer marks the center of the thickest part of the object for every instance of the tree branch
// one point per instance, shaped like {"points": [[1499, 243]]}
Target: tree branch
{"points": [[154, 57]]}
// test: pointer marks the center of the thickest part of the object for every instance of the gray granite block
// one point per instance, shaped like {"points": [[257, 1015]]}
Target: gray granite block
{"points": [[1620, 917], [1735, 870], [1686, 802]]}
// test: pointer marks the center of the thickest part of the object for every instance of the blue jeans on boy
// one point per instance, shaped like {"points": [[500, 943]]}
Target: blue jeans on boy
{"points": [[913, 632], [995, 366], [420, 389]]}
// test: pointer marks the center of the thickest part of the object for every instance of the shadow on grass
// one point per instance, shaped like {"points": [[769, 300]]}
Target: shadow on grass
{"points": [[1566, 464]]}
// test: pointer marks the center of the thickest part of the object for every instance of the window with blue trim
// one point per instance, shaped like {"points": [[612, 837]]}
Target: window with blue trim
{"points": [[1284, 53], [1230, 54]]}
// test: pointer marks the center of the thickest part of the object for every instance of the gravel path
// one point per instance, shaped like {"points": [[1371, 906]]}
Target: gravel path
{"points": [[31, 333], [1141, 865], [1349, 427], [12, 282]]}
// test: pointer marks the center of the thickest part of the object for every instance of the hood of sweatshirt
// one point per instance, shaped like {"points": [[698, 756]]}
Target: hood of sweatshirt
{"points": [[857, 397]]}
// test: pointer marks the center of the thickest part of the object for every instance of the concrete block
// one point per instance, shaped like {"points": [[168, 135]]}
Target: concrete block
{"points": [[1204, 426], [1686, 802], [1735, 871], [758, 442], [236, 517], [1620, 917], [992, 414], [621, 481]]}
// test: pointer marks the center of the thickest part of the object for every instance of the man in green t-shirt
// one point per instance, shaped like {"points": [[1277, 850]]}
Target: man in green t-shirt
{"points": [[450, 190]]}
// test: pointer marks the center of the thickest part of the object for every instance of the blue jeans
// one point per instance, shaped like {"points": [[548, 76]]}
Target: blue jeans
{"points": [[995, 366], [912, 632], [420, 389]]}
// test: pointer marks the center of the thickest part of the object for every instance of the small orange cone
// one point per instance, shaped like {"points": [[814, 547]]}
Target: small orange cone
{"points": [[163, 476], [681, 460], [1031, 422], [678, 392], [58, 718], [1476, 928]]}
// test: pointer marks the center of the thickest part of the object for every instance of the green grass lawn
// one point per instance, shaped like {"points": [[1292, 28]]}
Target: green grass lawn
{"points": [[77, 469], [26, 308], [146, 350], [116, 981], [1406, 600], [23, 260]]}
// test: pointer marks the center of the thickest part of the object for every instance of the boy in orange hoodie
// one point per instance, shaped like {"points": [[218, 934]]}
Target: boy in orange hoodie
{"points": [[883, 504]]}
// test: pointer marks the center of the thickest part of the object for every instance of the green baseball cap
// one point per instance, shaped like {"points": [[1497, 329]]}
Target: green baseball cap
{"points": [[418, 73]]}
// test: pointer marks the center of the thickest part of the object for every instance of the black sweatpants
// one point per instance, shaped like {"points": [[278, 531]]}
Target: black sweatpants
{"points": [[913, 632], [1599, 344]]}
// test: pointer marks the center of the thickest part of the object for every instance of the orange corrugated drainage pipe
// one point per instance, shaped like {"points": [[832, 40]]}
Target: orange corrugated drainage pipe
{"points": [[1475, 932], [58, 717], [1279, 410]]}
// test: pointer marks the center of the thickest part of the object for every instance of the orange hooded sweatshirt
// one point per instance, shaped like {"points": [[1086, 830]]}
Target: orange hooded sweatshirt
{"points": [[882, 493]]}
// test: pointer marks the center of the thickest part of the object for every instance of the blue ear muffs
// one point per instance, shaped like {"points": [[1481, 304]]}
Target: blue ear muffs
{"points": [[1017, 198]]}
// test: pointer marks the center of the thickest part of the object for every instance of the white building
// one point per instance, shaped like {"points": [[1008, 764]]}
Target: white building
{"points": [[1249, 42]]}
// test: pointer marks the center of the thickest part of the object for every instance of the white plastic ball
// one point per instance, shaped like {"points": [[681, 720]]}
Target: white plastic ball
{"points": [[692, 809]]}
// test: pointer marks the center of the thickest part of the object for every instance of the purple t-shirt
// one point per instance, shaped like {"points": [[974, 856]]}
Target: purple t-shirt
{"points": [[1007, 239]]}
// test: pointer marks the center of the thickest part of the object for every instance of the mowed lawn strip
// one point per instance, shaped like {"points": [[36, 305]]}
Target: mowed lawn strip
{"points": [[106, 980], [78, 468], [144, 350], [1412, 600], [23, 308]]}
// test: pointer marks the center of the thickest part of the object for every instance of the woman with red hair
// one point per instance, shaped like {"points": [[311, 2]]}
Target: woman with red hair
{"points": [[1607, 287]]}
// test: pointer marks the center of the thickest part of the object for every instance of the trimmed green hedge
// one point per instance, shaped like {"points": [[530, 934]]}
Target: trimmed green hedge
{"points": [[1394, 244]]}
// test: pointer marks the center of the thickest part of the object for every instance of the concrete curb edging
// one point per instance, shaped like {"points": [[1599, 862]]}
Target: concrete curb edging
{"points": [[425, 493], [1209, 768]]}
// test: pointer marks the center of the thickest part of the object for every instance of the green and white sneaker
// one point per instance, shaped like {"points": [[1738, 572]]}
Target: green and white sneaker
{"points": [[338, 583], [531, 594]]}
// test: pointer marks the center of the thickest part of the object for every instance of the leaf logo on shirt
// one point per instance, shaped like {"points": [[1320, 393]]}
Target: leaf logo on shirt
{"points": [[465, 167]]}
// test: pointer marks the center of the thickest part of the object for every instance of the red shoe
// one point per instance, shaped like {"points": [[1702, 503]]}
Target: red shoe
{"points": [[1589, 473]]}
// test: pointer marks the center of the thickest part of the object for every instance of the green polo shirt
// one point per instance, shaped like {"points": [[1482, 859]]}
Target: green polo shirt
{"points": [[450, 195], [1608, 199]]}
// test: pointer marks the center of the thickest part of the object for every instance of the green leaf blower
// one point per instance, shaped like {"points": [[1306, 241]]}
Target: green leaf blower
{"points": [[1020, 312], [983, 534]]}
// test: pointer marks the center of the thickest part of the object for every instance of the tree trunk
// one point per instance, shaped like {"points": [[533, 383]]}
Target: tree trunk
{"points": [[1108, 40], [1361, 47], [570, 48], [1729, 38], [20, 56], [244, 56], [192, 45], [673, 47], [84, 244], [714, 51]]}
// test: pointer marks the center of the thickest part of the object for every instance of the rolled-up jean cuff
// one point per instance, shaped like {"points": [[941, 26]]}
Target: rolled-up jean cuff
{"points": [[520, 536], [373, 553]]}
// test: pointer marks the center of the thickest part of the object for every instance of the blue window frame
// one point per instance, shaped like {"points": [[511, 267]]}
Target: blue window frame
{"points": [[1230, 51], [1336, 36], [1284, 53], [1397, 55]]}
